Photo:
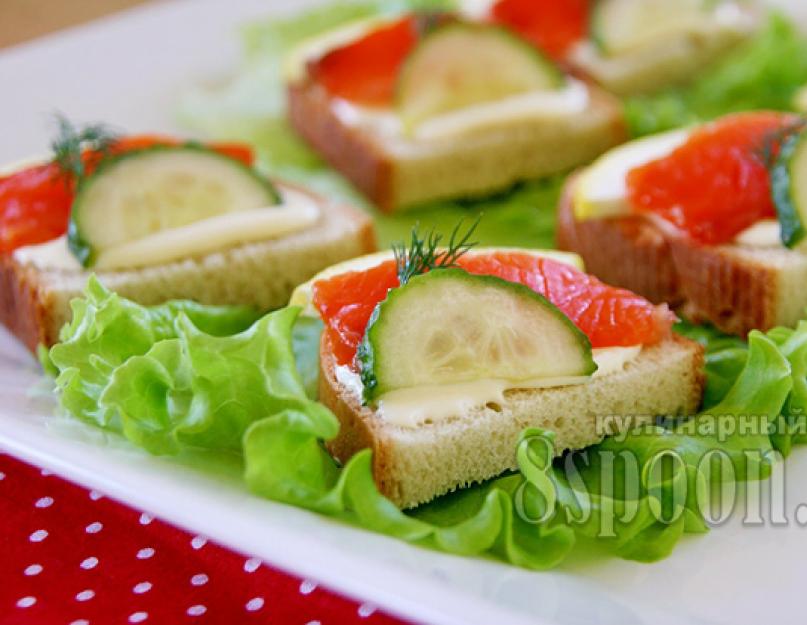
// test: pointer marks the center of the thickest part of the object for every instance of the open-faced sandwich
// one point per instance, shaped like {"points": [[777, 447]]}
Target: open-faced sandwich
{"points": [[157, 218], [628, 46], [710, 219], [437, 359], [422, 107]]}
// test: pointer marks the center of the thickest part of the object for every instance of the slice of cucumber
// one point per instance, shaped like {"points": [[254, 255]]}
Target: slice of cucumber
{"points": [[789, 188], [462, 64], [618, 26], [449, 326], [139, 193]]}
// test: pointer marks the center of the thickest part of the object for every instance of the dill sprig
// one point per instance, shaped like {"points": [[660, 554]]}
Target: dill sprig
{"points": [[71, 142], [425, 253]]}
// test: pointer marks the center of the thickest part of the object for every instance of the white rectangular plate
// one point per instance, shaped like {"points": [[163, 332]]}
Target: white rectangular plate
{"points": [[128, 70]]}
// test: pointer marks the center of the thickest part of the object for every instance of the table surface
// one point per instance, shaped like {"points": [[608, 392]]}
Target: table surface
{"points": [[22, 20], [74, 556]]}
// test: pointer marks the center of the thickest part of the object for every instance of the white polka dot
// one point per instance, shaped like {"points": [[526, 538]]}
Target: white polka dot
{"points": [[197, 542], [46, 472], [313, 623], [85, 595], [81, 621], [255, 604], [141, 588], [44, 502], [95, 495], [138, 617], [145, 554], [145, 519], [33, 569], [94, 528], [2, 476], [199, 580], [307, 587], [26, 602], [89, 563], [196, 610], [38, 536], [366, 609], [251, 565]]}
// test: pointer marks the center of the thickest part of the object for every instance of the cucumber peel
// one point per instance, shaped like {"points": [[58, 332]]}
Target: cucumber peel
{"points": [[448, 326], [141, 192], [789, 188]]}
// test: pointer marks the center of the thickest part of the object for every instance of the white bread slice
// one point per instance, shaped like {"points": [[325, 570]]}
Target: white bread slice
{"points": [[398, 174], [412, 466], [35, 303], [734, 287]]}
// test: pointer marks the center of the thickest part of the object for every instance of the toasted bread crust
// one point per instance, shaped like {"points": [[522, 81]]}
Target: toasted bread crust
{"points": [[733, 293], [22, 308], [671, 388], [366, 159], [34, 304], [731, 288], [628, 252], [357, 428], [346, 148]]}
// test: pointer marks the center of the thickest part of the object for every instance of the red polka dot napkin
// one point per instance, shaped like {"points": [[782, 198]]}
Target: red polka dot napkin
{"points": [[69, 556]]}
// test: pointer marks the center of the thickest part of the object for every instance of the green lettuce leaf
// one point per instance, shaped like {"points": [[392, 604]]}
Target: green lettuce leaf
{"points": [[180, 374], [763, 73], [726, 357], [305, 343], [153, 374], [106, 330], [285, 462], [203, 391]]}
